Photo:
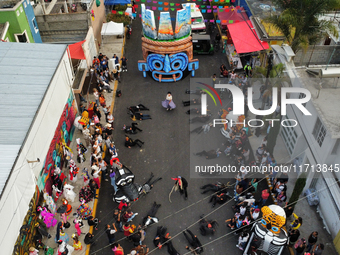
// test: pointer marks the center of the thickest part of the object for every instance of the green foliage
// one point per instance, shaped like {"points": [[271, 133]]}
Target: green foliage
{"points": [[299, 21], [118, 18], [298, 188], [121, 8]]}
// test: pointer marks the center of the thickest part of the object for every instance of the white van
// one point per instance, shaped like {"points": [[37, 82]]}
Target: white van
{"points": [[197, 20]]}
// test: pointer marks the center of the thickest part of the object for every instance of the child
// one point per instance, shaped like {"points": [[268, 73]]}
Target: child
{"points": [[76, 243]]}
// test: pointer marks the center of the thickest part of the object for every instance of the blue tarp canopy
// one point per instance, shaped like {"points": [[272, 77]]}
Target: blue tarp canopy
{"points": [[114, 2]]}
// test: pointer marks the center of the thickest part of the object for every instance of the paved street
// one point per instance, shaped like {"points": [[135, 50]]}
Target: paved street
{"points": [[166, 153]]}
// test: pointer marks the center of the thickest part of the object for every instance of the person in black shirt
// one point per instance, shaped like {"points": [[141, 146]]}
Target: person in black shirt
{"points": [[194, 242], [293, 236], [132, 129], [124, 63], [207, 227], [312, 239], [89, 239], [111, 233], [130, 143], [219, 199]]}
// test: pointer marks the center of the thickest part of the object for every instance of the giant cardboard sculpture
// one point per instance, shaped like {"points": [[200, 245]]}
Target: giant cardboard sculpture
{"points": [[167, 55], [269, 233]]}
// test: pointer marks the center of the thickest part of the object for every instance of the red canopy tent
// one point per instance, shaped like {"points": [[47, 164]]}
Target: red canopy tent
{"points": [[236, 14], [245, 38], [76, 50]]}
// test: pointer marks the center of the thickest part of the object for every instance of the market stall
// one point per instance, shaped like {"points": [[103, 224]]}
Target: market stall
{"points": [[244, 40]]}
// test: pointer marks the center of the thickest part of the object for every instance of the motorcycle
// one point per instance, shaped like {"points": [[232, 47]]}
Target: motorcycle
{"points": [[128, 34]]}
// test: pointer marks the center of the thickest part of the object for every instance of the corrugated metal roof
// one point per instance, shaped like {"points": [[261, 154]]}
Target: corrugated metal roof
{"points": [[26, 70]]}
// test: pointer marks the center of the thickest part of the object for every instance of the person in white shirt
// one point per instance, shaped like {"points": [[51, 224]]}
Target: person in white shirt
{"points": [[242, 241]]}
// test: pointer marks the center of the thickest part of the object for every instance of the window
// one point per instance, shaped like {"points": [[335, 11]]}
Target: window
{"points": [[23, 38], [21, 10], [35, 25], [319, 132], [289, 136], [25, 5], [302, 95], [18, 13]]}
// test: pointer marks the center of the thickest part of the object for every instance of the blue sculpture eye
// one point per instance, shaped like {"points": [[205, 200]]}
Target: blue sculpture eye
{"points": [[263, 222], [275, 229], [179, 61], [156, 62]]}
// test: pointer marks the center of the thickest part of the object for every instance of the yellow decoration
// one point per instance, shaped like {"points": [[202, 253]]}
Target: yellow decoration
{"points": [[275, 220]]}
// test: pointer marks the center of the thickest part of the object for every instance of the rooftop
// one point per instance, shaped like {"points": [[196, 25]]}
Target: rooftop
{"points": [[325, 97], [8, 4], [262, 9], [26, 70]]}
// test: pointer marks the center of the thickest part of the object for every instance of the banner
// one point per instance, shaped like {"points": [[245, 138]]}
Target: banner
{"points": [[183, 23], [143, 12], [165, 31], [149, 25]]}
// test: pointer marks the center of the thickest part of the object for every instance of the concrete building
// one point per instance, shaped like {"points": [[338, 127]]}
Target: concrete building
{"points": [[68, 22], [18, 23], [314, 144], [39, 107]]}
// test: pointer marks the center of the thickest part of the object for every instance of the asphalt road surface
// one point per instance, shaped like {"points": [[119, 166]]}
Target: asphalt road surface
{"points": [[167, 154]]}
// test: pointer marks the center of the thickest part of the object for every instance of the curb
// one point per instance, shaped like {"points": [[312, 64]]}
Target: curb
{"points": [[87, 252]]}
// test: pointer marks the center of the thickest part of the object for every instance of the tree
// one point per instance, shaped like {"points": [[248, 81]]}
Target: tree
{"points": [[299, 21], [273, 133], [298, 188], [274, 80]]}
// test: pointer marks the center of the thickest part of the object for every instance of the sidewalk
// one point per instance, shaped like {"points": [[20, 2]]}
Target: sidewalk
{"points": [[311, 219], [109, 50]]}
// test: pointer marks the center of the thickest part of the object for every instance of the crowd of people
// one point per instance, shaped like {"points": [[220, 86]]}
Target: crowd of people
{"points": [[248, 199], [97, 134]]}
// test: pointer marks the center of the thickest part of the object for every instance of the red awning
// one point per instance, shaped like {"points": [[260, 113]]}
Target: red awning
{"points": [[245, 38], [76, 50], [232, 13]]}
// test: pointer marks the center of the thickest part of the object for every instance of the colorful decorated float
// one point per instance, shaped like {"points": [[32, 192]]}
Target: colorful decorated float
{"points": [[268, 235], [167, 55]]}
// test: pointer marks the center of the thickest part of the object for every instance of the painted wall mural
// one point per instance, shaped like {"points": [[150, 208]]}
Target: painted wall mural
{"points": [[62, 136], [27, 232]]}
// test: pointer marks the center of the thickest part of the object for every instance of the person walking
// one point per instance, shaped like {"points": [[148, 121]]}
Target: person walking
{"points": [[110, 232], [168, 103]]}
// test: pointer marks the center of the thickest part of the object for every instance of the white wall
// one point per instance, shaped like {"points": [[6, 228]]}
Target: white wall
{"points": [[89, 47], [326, 206], [21, 185]]}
